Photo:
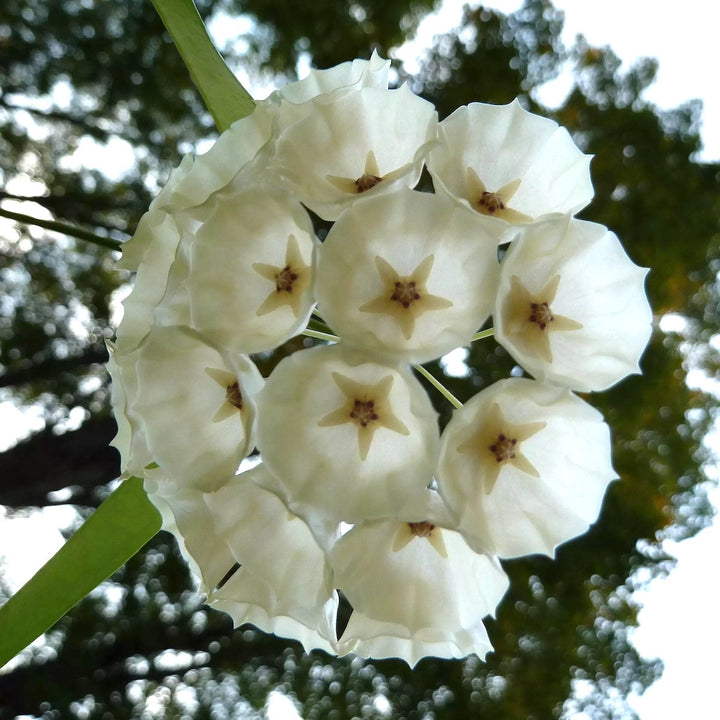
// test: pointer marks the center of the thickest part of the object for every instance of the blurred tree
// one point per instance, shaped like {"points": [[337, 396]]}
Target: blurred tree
{"points": [[78, 75]]}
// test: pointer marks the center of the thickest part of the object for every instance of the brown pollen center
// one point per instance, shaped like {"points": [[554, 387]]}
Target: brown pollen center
{"points": [[363, 412], [284, 279], [490, 203], [541, 314], [234, 396], [503, 448], [405, 293], [421, 529], [366, 182]]}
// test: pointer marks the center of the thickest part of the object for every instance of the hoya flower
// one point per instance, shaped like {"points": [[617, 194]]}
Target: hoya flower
{"points": [[185, 405], [197, 178], [250, 270], [362, 142], [571, 306], [331, 82], [155, 251], [416, 588], [199, 532], [407, 274], [524, 467], [346, 435], [509, 164], [283, 584]]}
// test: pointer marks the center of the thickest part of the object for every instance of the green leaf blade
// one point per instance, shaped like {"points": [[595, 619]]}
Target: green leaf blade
{"points": [[226, 99], [107, 539]]}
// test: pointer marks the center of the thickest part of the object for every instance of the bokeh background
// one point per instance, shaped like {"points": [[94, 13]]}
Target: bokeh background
{"points": [[96, 107]]}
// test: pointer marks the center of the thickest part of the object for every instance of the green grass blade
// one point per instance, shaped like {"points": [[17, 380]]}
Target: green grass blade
{"points": [[226, 99], [107, 539]]}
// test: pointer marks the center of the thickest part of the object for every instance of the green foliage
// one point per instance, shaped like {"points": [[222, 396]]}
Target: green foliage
{"points": [[107, 539], [225, 98]]}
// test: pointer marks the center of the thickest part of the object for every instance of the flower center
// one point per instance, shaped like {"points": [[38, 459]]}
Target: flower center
{"points": [[284, 279], [405, 293], [421, 529], [541, 314], [363, 412], [366, 182], [234, 396], [503, 448], [489, 203]]}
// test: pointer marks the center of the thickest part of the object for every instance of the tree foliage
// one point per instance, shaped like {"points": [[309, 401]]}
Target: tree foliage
{"points": [[77, 72]]}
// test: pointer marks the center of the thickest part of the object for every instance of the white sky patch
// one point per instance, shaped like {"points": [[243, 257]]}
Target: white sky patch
{"points": [[29, 540], [682, 36], [114, 159], [679, 612], [280, 707]]}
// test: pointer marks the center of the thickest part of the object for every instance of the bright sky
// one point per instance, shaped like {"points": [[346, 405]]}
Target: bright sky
{"points": [[679, 621], [681, 35]]}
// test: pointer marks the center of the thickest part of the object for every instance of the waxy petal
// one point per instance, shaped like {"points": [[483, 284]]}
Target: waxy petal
{"points": [[318, 436], [528, 161], [597, 320], [415, 298], [547, 490]]}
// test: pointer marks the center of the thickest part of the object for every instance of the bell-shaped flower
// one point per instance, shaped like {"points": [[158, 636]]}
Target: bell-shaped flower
{"points": [[416, 588], [199, 531], [190, 406], [571, 306], [345, 77], [283, 584], [524, 467], [197, 178], [156, 251], [361, 143], [345, 434], [509, 164], [407, 275], [129, 439], [250, 270]]}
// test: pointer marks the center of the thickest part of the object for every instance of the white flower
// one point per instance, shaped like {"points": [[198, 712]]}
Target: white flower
{"points": [[155, 251], [349, 436], [509, 164], [283, 584], [198, 530], [416, 589], [186, 407], [197, 178], [346, 77], [571, 307], [362, 142], [407, 274], [524, 467], [250, 270]]}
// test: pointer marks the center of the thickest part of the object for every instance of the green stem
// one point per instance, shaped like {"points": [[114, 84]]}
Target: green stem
{"points": [[439, 386], [61, 227], [482, 335], [320, 335], [319, 325]]}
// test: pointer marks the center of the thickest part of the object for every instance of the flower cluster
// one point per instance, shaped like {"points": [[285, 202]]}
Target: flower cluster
{"points": [[355, 490]]}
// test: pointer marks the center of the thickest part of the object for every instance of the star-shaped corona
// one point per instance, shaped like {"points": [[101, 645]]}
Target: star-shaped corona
{"points": [[290, 280], [367, 407], [531, 317], [498, 444], [369, 178], [494, 203], [406, 296]]}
